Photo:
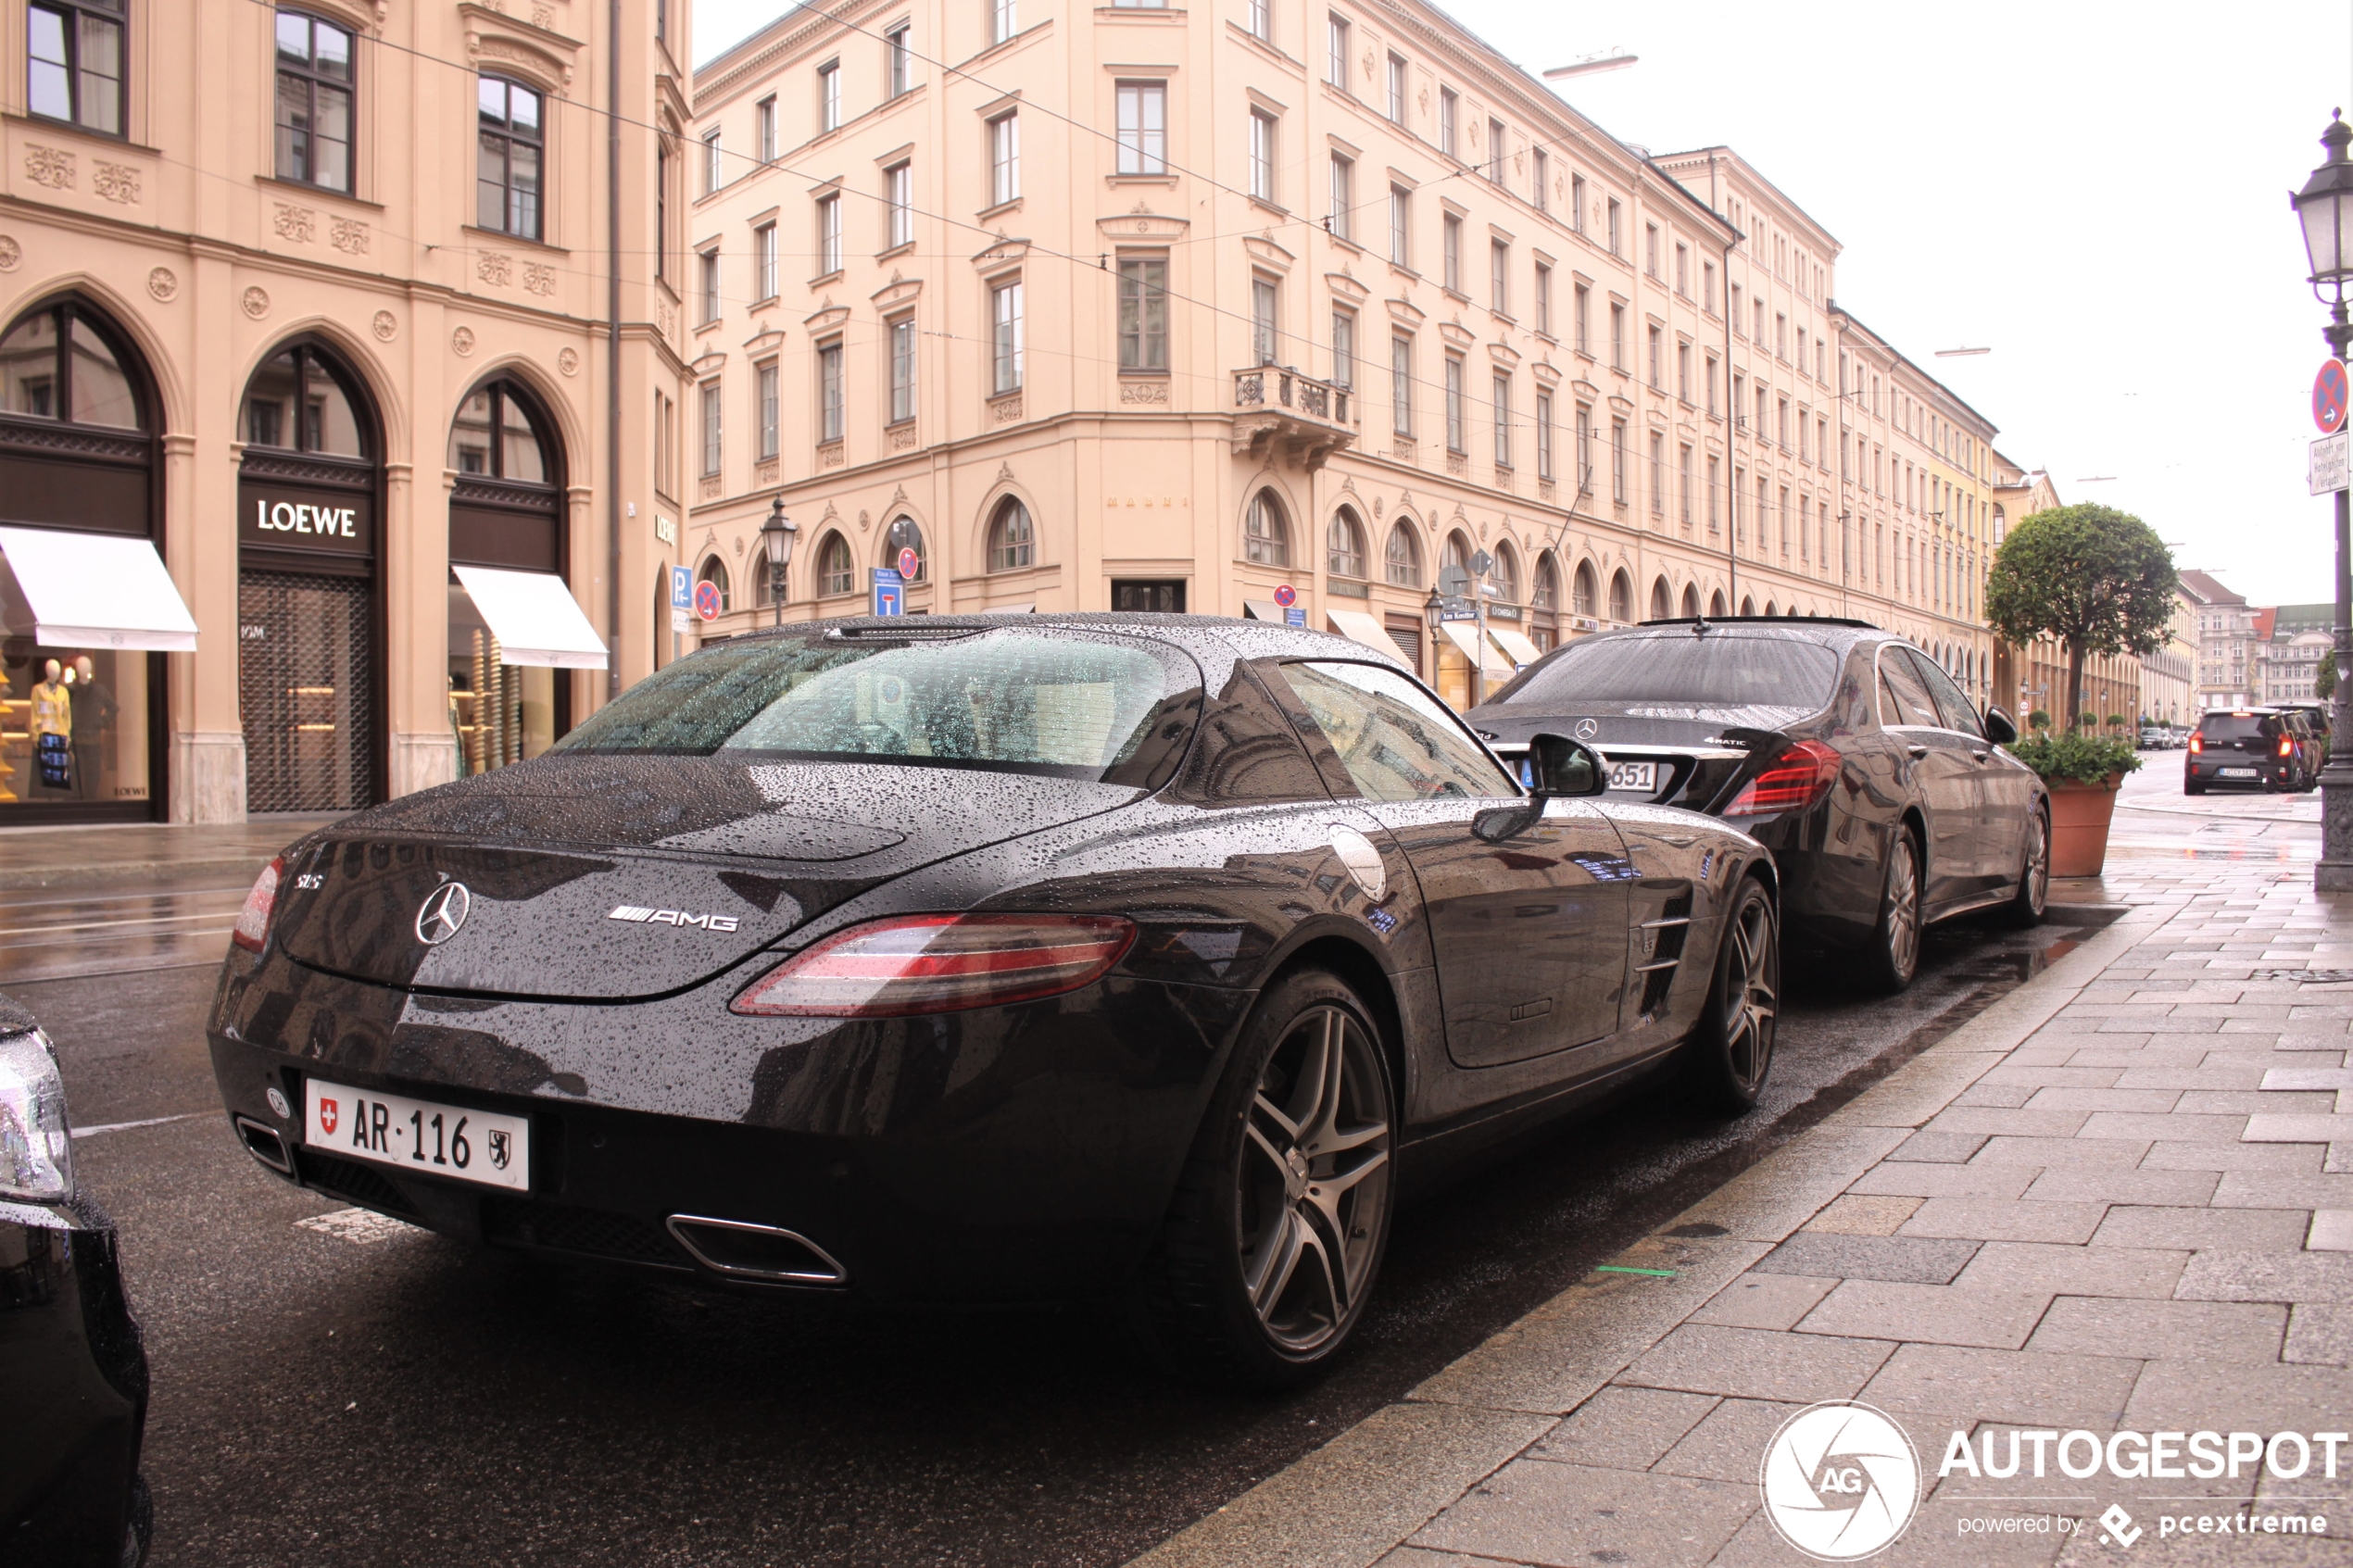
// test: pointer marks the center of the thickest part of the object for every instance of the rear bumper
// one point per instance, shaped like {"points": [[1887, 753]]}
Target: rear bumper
{"points": [[2251, 773], [1019, 1154]]}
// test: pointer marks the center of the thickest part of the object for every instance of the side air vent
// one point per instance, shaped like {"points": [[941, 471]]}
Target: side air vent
{"points": [[744, 1250], [1663, 939]]}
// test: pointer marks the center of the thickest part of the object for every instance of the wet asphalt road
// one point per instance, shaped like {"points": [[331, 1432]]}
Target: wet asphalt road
{"points": [[404, 1400]]}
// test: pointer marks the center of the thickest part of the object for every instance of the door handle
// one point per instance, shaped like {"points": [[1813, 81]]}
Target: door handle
{"points": [[1918, 751]]}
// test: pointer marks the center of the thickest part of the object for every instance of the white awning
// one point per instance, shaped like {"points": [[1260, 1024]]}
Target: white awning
{"points": [[534, 616], [1263, 609], [1355, 626], [1515, 643], [68, 590], [1464, 634]]}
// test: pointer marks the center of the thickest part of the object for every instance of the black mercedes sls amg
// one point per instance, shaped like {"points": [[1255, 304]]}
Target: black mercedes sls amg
{"points": [[990, 959]]}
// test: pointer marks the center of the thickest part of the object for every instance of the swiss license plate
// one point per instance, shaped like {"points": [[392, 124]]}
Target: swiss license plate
{"points": [[1642, 776], [2238, 773], [416, 1135]]}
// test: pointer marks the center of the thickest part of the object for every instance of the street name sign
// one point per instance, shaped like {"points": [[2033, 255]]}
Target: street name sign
{"points": [[889, 591], [2331, 391], [2333, 463]]}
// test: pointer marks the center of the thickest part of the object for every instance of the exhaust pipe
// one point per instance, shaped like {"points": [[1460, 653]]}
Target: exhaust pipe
{"points": [[265, 1144], [743, 1251]]}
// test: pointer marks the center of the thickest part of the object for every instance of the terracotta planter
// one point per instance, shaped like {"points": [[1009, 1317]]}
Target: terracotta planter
{"points": [[2080, 814]]}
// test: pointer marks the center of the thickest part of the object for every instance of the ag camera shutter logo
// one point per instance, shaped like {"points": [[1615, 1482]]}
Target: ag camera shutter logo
{"points": [[1841, 1481]]}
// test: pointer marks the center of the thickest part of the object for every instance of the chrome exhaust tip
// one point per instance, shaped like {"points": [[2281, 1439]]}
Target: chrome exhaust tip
{"points": [[741, 1249], [265, 1144]]}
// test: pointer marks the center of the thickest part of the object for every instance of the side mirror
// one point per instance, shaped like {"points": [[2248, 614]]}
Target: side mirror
{"points": [[1561, 766], [2000, 728]]}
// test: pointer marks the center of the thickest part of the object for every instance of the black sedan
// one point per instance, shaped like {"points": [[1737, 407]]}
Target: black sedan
{"points": [[966, 961], [71, 1364], [1886, 798]]}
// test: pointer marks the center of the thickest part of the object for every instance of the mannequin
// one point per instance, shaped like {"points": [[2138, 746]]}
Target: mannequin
{"points": [[53, 728], [98, 709]]}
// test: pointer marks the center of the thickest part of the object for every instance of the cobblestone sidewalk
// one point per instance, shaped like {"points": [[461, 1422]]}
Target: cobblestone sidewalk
{"points": [[2119, 1199]]}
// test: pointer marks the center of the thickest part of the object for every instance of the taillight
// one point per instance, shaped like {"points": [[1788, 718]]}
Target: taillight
{"points": [[2288, 747], [939, 963], [2197, 744], [252, 921], [1793, 780]]}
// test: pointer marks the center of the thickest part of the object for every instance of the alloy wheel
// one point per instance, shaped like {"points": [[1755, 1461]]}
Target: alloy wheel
{"points": [[2038, 862], [1751, 1000], [1903, 907], [1313, 1184]]}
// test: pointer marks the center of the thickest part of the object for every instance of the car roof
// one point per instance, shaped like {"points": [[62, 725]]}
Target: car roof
{"points": [[1231, 635], [1839, 633]]}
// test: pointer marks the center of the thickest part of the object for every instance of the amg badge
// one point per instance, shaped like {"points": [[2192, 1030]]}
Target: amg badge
{"points": [[642, 915]]}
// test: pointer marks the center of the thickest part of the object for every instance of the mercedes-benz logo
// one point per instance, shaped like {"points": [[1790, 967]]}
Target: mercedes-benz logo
{"points": [[1586, 729], [444, 914]]}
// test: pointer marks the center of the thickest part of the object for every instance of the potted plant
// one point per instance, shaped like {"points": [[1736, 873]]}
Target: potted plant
{"points": [[2101, 582]]}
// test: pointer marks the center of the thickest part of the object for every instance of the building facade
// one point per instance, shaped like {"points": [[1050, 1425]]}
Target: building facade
{"points": [[1330, 299], [2168, 677], [2290, 642], [2226, 669], [307, 304]]}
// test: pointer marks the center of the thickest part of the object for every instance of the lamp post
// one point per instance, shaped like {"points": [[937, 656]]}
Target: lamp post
{"points": [[1434, 611], [776, 537], [2326, 208]]}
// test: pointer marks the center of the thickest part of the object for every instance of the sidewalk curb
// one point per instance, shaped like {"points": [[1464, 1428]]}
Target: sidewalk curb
{"points": [[1373, 1486]]}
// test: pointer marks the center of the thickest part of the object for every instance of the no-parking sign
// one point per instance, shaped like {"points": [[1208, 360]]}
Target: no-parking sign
{"points": [[2329, 393], [706, 600]]}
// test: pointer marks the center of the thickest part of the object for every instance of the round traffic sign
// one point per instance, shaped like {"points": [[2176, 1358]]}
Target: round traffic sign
{"points": [[2330, 394], [706, 600], [1286, 595], [908, 562]]}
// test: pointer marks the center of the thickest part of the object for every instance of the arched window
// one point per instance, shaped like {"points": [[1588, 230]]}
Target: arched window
{"points": [[1546, 593], [1344, 545], [1691, 600], [496, 435], [1265, 535], [1404, 557], [1748, 605], [1622, 597], [296, 403], [715, 571], [1716, 604], [1012, 540], [1458, 553], [836, 573], [1586, 597], [1506, 573], [1768, 608], [60, 363], [1662, 600], [904, 534]]}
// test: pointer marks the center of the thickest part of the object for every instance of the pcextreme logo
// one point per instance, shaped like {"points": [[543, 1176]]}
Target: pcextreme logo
{"points": [[1841, 1481]]}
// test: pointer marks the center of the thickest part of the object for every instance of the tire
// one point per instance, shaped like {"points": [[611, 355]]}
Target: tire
{"points": [[141, 1536], [2033, 895], [2190, 788], [1731, 1053], [1266, 1260], [1894, 954]]}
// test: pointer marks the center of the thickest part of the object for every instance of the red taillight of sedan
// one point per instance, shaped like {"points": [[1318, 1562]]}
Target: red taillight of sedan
{"points": [[939, 963], [2197, 744], [252, 921], [1794, 780]]}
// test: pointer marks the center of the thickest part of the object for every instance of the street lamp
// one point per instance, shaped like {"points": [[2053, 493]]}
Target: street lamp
{"points": [[776, 537], [1434, 611], [2326, 208]]}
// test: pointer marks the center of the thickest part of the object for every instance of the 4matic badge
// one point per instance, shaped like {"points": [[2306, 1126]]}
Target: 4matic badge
{"points": [[640, 915]]}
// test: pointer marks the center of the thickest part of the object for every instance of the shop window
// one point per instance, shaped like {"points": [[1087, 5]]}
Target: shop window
{"points": [[494, 435], [1160, 596], [508, 703], [297, 401], [58, 364]]}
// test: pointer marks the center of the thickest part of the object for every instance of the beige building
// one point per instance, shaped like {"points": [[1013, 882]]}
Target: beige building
{"points": [[2227, 675], [2291, 640], [310, 454], [1143, 307], [2168, 677]]}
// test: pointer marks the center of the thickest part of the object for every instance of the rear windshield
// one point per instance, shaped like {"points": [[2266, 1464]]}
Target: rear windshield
{"points": [[2230, 726], [1067, 706], [1698, 676]]}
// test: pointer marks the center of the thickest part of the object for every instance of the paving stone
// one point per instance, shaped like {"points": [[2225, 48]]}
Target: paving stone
{"points": [[2041, 1053], [2302, 1128], [1859, 1215], [1758, 1363], [2014, 1072], [2274, 1189], [1624, 1429], [2172, 1023], [2190, 1394], [2074, 1271], [2242, 1102], [2320, 1333], [1990, 1218], [2274, 1156], [2023, 1387], [2273, 1013], [1920, 1180], [1540, 1511], [2332, 1230], [2114, 1053], [2079, 1099], [2338, 1159], [1995, 1096], [2010, 1123], [2117, 1153], [1729, 1444], [2099, 1184], [1940, 1147], [2229, 1075], [2262, 1230], [1763, 1300], [1930, 1315], [2234, 1274], [2329, 1078], [1911, 1259], [2230, 1331], [2175, 1127]]}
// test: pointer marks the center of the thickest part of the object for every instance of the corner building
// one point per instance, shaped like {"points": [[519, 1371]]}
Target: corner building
{"points": [[303, 352]]}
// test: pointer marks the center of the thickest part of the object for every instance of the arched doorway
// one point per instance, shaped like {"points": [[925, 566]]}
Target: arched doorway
{"points": [[82, 712], [509, 699], [1662, 600], [1690, 601], [1543, 604], [310, 592], [1621, 598], [1716, 604]]}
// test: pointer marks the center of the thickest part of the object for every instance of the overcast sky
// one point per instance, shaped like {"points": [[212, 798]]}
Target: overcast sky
{"points": [[2096, 192]]}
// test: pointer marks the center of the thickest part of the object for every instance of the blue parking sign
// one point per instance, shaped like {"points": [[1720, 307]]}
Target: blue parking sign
{"points": [[890, 592], [682, 587]]}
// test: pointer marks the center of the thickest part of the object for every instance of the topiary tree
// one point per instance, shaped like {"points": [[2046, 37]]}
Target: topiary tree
{"points": [[2097, 579], [2116, 721], [2038, 720]]}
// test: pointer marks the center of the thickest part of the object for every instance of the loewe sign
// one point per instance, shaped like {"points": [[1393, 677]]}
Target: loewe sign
{"points": [[285, 517]]}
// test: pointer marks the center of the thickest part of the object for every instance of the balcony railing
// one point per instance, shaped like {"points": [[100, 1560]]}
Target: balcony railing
{"points": [[1307, 419]]}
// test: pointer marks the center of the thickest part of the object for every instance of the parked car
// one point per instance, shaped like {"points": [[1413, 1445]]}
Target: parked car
{"points": [[70, 1355], [2317, 719], [2155, 737], [2272, 749], [958, 961], [1885, 796]]}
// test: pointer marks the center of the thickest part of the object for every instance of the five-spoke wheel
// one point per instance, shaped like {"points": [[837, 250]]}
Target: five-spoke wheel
{"points": [[1731, 1050]]}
